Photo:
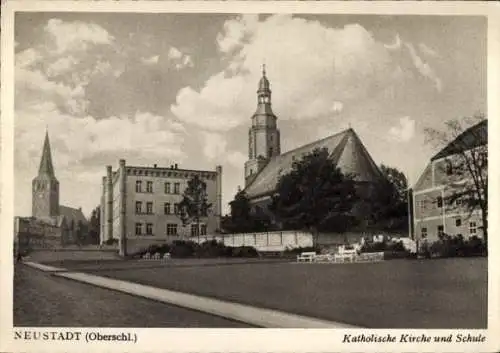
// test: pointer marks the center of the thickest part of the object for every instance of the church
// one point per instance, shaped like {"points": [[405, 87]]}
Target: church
{"points": [[266, 162], [51, 224]]}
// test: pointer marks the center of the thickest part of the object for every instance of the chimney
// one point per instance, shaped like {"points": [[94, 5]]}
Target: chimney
{"points": [[154, 166], [171, 166], [176, 166]]}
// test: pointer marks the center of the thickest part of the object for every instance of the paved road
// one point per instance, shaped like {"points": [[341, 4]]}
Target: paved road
{"points": [[41, 299]]}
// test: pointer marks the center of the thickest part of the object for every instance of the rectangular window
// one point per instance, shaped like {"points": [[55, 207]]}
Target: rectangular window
{"points": [[149, 208], [472, 228], [203, 229], [149, 186], [138, 186], [171, 229], [166, 208], [424, 232], [138, 228], [176, 208], [176, 188], [458, 222], [449, 168], [138, 207], [458, 202], [440, 201], [194, 230], [422, 205], [149, 229], [440, 231], [167, 188]]}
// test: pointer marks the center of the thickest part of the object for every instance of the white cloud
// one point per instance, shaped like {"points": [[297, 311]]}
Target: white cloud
{"points": [[62, 65], [236, 31], [215, 147], [81, 148], [76, 36], [214, 144], [33, 87], [427, 50], [151, 60], [396, 45], [179, 59], [59, 69], [306, 77], [404, 131], [424, 68], [237, 159], [27, 58], [174, 53]]}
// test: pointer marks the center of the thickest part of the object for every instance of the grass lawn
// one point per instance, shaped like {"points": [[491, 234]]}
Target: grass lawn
{"points": [[42, 300], [446, 293]]}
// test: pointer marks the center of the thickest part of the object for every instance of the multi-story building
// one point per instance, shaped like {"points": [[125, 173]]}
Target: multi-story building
{"points": [[140, 205], [440, 197]]}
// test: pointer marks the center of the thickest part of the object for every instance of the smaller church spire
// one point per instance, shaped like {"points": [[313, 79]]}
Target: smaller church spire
{"points": [[46, 166]]}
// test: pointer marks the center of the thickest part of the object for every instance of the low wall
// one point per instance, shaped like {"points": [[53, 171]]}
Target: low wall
{"points": [[266, 241]]}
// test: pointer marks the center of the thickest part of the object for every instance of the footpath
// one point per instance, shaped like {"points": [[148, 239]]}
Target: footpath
{"points": [[259, 317]]}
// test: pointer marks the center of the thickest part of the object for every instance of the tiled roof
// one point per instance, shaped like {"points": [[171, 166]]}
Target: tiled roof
{"points": [[72, 214], [345, 148], [474, 136]]}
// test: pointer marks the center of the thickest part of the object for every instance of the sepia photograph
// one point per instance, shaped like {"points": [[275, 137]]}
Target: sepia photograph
{"points": [[265, 169]]}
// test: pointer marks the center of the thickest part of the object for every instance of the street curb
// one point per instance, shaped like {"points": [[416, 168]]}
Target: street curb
{"points": [[244, 313], [43, 267]]}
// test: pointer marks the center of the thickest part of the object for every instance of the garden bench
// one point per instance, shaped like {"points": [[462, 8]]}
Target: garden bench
{"points": [[344, 255], [306, 256]]}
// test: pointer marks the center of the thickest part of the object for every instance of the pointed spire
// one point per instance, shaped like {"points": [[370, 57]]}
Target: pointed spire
{"points": [[264, 69], [46, 167]]}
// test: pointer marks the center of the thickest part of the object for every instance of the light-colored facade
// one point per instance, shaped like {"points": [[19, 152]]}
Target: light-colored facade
{"points": [[140, 204], [436, 211]]}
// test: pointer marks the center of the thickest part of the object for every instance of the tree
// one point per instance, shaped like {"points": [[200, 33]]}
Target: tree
{"points": [[194, 204], [464, 148], [398, 183], [314, 193], [389, 200], [242, 219], [95, 225]]}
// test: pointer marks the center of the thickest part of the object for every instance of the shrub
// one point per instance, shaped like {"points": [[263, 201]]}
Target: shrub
{"points": [[244, 251], [389, 255], [211, 248], [112, 241], [455, 246], [182, 248]]}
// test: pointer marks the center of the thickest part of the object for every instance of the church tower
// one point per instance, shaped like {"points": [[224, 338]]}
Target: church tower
{"points": [[45, 187], [263, 135]]}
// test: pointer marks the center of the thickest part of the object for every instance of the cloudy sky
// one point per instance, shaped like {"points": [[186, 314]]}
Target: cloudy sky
{"points": [[165, 88]]}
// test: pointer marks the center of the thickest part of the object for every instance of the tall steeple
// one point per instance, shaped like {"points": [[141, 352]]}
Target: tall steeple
{"points": [[45, 187], [263, 135], [46, 167]]}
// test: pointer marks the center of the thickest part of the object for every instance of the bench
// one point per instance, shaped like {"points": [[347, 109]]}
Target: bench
{"points": [[343, 255], [306, 256]]}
